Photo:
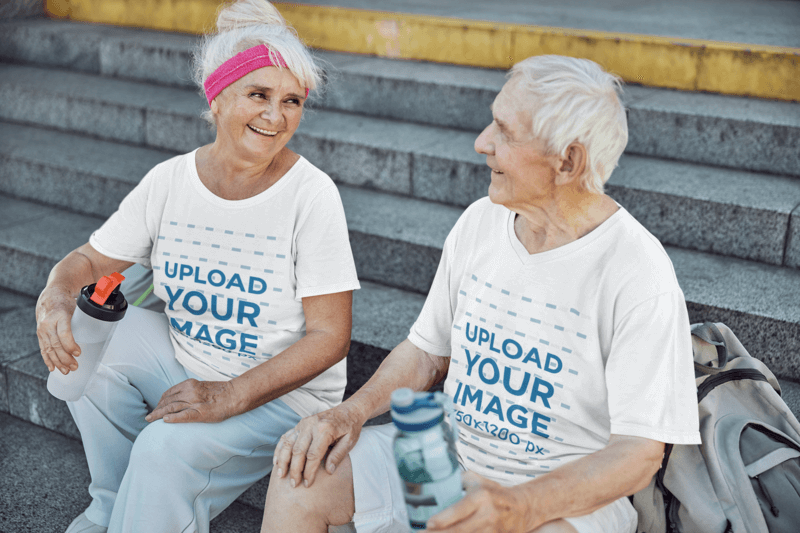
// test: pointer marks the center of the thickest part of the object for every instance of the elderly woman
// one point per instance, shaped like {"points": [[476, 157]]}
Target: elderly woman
{"points": [[560, 326], [249, 249]]}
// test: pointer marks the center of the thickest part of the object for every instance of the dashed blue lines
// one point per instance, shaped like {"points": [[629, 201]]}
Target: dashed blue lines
{"points": [[559, 439], [209, 229], [498, 326], [482, 320], [280, 256], [494, 446], [571, 371], [245, 365], [565, 406], [493, 306], [520, 334], [490, 467], [223, 263], [565, 349], [215, 246], [526, 299], [477, 299], [574, 311], [474, 277], [173, 223], [471, 459], [228, 232], [462, 293], [511, 313], [225, 358], [184, 257], [559, 385], [161, 238], [559, 328], [178, 240], [456, 327], [196, 243], [271, 238], [236, 249], [258, 253], [546, 343], [505, 292], [190, 226], [272, 323], [244, 267], [251, 235], [277, 289], [473, 437], [551, 306], [581, 335], [536, 320], [204, 260], [488, 284]]}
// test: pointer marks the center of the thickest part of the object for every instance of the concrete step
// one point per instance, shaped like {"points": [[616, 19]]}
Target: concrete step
{"points": [[758, 301], [45, 483], [734, 132], [687, 205]]}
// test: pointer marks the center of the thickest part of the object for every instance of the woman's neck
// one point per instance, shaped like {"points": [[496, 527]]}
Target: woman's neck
{"points": [[233, 177]]}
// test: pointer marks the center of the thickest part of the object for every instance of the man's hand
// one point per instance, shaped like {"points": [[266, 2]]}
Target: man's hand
{"points": [[301, 450], [487, 506], [196, 401]]}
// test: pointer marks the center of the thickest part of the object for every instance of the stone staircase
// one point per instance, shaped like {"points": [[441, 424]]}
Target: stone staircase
{"points": [[86, 110]]}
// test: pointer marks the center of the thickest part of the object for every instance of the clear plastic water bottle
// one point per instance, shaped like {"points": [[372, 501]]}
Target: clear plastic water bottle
{"points": [[425, 452], [100, 307]]}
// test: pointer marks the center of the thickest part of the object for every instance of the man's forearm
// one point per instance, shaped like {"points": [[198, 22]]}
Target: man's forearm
{"points": [[406, 366], [583, 486]]}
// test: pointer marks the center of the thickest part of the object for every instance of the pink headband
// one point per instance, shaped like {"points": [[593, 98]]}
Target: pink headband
{"points": [[239, 66]]}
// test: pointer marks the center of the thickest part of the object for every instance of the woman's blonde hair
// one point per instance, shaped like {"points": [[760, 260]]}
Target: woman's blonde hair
{"points": [[247, 23], [575, 100]]}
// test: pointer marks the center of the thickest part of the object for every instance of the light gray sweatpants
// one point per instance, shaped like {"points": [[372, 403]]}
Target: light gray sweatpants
{"points": [[159, 477]]}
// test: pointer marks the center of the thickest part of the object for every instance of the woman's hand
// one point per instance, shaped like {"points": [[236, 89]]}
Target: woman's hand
{"points": [[197, 401], [54, 311], [301, 450], [487, 506]]}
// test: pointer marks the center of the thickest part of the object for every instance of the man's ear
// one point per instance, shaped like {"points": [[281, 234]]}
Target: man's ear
{"points": [[214, 107], [573, 164]]}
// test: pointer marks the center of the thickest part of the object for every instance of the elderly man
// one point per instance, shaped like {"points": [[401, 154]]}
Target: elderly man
{"points": [[559, 323]]}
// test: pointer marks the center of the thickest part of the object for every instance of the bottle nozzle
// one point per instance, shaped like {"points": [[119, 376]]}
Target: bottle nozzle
{"points": [[105, 286]]}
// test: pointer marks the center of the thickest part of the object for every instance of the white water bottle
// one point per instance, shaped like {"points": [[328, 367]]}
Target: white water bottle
{"points": [[100, 307], [425, 451]]}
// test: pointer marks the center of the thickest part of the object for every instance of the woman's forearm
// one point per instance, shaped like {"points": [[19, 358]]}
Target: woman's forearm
{"points": [[294, 367]]}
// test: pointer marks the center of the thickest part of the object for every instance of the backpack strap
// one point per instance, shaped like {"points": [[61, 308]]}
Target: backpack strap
{"points": [[709, 333]]}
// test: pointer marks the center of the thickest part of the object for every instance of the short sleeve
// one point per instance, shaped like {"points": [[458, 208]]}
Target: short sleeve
{"points": [[432, 329], [128, 235], [324, 261], [650, 373]]}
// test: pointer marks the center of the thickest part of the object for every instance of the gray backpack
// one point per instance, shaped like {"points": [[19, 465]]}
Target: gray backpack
{"points": [[745, 476]]}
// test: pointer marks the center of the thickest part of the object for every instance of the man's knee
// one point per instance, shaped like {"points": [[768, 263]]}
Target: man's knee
{"points": [[329, 499]]}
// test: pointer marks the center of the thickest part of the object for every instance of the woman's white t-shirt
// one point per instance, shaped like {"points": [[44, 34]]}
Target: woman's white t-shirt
{"points": [[233, 273]]}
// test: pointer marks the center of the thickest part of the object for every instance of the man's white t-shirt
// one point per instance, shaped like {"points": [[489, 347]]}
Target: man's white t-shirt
{"points": [[553, 352], [233, 273]]}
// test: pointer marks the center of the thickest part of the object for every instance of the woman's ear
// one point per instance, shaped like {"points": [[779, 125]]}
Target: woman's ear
{"points": [[573, 164]]}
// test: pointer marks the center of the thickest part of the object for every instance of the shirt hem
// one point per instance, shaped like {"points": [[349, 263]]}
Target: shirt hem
{"points": [[425, 346], [326, 289], [672, 437], [113, 255]]}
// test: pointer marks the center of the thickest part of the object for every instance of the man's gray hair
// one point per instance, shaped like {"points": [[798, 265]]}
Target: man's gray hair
{"points": [[572, 100]]}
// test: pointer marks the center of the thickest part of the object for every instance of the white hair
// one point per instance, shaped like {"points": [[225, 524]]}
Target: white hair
{"points": [[247, 23], [575, 100]]}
